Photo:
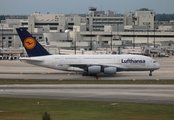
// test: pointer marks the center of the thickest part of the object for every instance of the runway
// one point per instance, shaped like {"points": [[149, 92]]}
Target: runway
{"points": [[114, 93], [20, 70]]}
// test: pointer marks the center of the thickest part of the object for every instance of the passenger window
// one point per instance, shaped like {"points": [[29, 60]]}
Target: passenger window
{"points": [[154, 61]]}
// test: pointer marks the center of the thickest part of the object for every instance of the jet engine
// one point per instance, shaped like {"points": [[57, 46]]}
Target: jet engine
{"points": [[99, 69], [94, 69], [110, 70]]}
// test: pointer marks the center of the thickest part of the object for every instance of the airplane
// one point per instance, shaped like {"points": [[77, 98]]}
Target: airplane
{"points": [[88, 65], [47, 41]]}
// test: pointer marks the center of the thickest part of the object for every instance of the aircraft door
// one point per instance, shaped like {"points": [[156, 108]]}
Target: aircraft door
{"points": [[79, 59], [61, 59], [148, 63], [118, 60]]}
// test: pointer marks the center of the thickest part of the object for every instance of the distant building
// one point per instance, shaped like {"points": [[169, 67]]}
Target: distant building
{"points": [[96, 30], [144, 17], [96, 20]]}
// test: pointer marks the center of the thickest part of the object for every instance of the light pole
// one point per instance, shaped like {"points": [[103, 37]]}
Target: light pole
{"points": [[148, 35], [111, 40], [2, 36], [67, 36], [154, 33], [91, 37], [117, 29], [31, 29], [134, 34], [75, 41]]}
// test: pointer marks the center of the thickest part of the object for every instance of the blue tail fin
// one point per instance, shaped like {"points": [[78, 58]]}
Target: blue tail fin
{"points": [[47, 41], [31, 45]]}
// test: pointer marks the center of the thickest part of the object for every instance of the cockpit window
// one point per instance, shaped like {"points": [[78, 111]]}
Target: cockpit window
{"points": [[154, 61]]}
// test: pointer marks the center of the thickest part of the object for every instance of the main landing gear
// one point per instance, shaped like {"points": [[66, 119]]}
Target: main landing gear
{"points": [[88, 74], [96, 77], [150, 74], [85, 74]]}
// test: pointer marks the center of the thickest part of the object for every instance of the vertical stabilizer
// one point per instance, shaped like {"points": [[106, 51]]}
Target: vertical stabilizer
{"points": [[32, 46]]}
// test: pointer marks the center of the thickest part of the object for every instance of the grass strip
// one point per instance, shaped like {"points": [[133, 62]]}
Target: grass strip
{"points": [[29, 109]]}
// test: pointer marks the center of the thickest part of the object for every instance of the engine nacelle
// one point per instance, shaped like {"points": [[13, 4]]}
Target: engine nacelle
{"points": [[94, 69], [110, 70]]}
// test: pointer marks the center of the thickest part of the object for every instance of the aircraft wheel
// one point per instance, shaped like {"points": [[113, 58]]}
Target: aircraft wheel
{"points": [[96, 77], [150, 74], [85, 74]]}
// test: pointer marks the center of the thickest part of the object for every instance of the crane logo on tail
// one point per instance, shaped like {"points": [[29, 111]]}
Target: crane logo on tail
{"points": [[29, 43]]}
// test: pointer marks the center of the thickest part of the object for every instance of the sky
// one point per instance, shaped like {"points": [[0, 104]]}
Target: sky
{"points": [[27, 7]]}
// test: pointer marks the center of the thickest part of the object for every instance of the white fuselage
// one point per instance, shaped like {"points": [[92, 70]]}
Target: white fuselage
{"points": [[121, 62]]}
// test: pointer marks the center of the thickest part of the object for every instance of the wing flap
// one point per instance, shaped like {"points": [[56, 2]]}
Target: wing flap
{"points": [[82, 66]]}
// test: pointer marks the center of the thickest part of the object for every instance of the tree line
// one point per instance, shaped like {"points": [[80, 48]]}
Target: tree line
{"points": [[3, 17], [164, 17]]}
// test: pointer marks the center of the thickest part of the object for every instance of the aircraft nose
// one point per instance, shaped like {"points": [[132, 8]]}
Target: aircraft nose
{"points": [[157, 65]]}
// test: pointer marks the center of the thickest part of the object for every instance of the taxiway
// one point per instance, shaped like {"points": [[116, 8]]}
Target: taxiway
{"points": [[114, 93]]}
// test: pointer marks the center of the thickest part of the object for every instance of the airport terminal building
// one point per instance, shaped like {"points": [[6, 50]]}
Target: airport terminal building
{"points": [[98, 30]]}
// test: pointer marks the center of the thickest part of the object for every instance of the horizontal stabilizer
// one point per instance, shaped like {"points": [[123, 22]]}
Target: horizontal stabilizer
{"points": [[31, 59]]}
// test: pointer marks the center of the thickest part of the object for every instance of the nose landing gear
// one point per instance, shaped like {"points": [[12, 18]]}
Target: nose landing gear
{"points": [[150, 74]]}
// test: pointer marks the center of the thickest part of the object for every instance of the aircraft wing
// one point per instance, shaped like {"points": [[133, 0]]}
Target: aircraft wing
{"points": [[31, 59], [83, 66]]}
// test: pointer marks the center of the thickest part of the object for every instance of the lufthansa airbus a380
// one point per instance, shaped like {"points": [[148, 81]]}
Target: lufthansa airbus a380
{"points": [[88, 65]]}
